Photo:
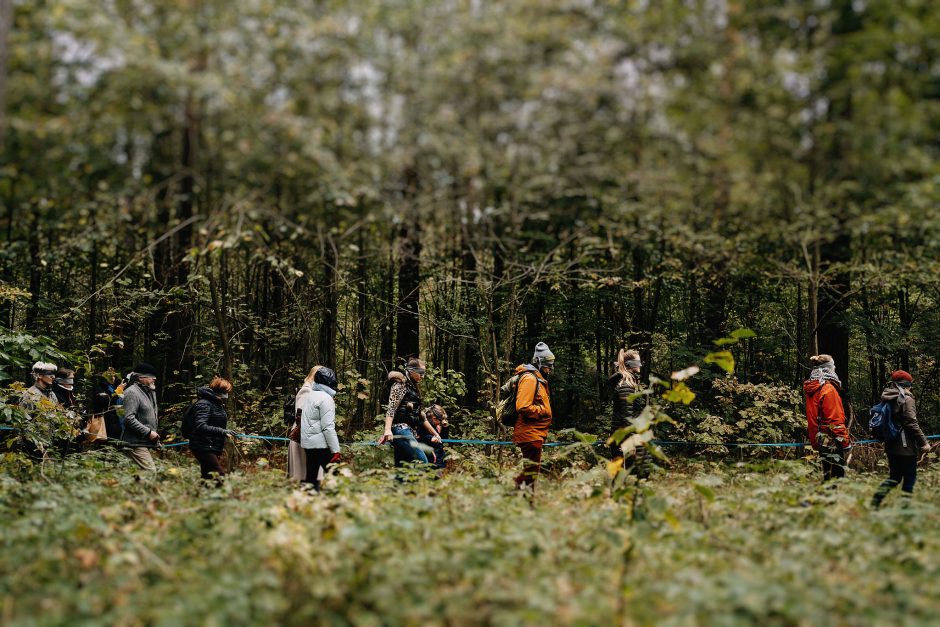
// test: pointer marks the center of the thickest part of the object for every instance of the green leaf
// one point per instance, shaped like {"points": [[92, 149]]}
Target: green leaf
{"points": [[705, 491], [743, 334], [680, 393], [722, 359]]}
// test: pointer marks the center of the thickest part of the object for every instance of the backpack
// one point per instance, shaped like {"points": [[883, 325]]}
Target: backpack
{"points": [[506, 408], [189, 417], [289, 415], [881, 424]]}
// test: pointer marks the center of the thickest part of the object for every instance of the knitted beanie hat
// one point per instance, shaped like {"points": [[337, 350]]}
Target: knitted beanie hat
{"points": [[543, 355], [900, 375]]}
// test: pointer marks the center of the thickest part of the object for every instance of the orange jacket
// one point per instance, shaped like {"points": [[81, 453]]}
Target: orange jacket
{"points": [[534, 410], [824, 414]]}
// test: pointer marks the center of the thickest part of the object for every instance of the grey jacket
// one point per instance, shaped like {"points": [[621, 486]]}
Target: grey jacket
{"points": [[140, 415], [912, 438], [32, 398]]}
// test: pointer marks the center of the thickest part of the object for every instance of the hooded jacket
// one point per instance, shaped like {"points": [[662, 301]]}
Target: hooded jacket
{"points": [[533, 407], [209, 423], [911, 439], [825, 415], [318, 420]]}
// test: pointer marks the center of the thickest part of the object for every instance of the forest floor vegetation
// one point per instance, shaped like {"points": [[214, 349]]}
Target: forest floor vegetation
{"points": [[85, 541]]}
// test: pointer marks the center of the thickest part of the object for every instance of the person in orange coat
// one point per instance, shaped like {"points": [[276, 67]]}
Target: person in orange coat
{"points": [[825, 417], [534, 412]]}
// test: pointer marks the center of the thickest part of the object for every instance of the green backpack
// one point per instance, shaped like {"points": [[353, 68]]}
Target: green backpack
{"points": [[506, 408]]}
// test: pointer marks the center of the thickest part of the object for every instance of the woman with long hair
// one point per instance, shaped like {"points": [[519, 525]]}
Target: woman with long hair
{"points": [[624, 383], [403, 415], [296, 457]]}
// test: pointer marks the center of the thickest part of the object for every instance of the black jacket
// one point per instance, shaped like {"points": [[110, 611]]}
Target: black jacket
{"points": [[620, 391], [209, 423]]}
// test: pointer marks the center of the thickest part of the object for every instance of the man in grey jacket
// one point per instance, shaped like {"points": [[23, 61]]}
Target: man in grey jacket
{"points": [[41, 391], [140, 417]]}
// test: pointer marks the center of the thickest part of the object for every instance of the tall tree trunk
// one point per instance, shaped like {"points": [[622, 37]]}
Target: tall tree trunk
{"points": [[409, 287], [328, 321], [6, 26], [35, 270], [362, 330]]}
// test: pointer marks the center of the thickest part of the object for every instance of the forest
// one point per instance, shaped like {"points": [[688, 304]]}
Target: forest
{"points": [[248, 189]]}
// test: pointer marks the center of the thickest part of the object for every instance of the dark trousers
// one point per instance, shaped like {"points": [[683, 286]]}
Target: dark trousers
{"points": [[209, 463], [438, 450], [531, 462], [833, 462], [317, 458], [902, 470]]}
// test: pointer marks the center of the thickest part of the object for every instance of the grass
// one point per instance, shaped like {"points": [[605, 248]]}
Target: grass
{"points": [[706, 543]]}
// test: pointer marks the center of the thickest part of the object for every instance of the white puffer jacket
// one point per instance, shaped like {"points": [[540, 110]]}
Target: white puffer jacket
{"points": [[318, 420]]}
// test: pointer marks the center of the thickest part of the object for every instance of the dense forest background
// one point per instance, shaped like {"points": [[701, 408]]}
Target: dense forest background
{"points": [[249, 188]]}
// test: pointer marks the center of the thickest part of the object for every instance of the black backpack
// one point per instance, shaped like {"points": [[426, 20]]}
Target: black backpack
{"points": [[289, 416], [189, 417]]}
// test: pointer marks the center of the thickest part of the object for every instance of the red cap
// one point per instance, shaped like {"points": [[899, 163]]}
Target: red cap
{"points": [[900, 375]]}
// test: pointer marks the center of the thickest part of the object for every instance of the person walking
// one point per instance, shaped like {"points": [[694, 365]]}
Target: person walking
{"points": [[63, 386], [534, 412], [623, 384], [318, 425], [40, 395], [825, 417], [433, 429], [296, 457], [404, 414], [210, 428], [141, 414], [906, 450], [105, 401]]}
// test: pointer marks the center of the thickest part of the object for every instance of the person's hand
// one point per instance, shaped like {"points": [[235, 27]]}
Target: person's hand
{"points": [[386, 437], [154, 436], [433, 458], [230, 434], [436, 439], [337, 458]]}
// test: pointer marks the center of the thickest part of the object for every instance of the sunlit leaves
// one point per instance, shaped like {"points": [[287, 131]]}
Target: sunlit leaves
{"points": [[722, 359]]}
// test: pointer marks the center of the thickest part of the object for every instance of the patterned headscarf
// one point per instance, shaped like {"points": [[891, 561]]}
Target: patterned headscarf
{"points": [[826, 372]]}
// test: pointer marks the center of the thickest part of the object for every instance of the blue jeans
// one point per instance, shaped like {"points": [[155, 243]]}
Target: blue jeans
{"points": [[405, 446]]}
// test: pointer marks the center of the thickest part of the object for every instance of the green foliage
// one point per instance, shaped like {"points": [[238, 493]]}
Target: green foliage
{"points": [[443, 388], [744, 412], [713, 544], [19, 351]]}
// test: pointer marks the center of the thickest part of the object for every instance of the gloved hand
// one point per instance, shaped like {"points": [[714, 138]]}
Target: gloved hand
{"points": [[230, 434], [337, 458]]}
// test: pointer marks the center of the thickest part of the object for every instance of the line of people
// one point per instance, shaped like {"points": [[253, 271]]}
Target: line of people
{"points": [[127, 413], [416, 432]]}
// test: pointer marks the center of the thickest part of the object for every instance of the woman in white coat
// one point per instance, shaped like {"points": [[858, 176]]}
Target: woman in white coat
{"points": [[318, 425]]}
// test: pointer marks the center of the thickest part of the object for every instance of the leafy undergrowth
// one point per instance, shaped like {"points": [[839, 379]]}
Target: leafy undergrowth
{"points": [[87, 542]]}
